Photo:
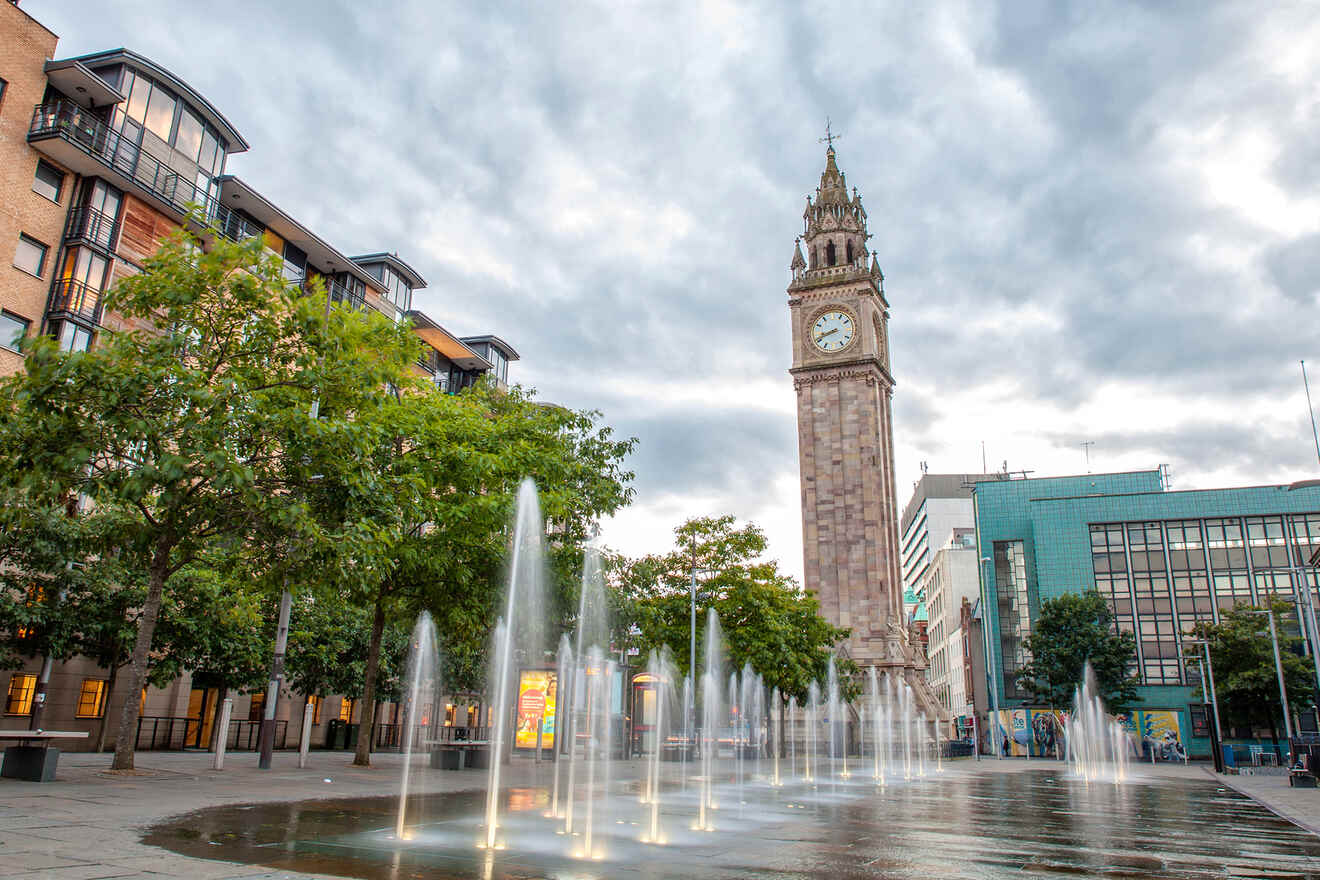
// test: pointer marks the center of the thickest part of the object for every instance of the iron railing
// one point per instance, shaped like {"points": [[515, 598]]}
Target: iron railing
{"points": [[77, 299], [91, 225], [245, 736], [167, 732], [86, 131]]}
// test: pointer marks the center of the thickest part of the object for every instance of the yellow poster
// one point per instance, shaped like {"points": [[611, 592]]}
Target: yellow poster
{"points": [[536, 705]]}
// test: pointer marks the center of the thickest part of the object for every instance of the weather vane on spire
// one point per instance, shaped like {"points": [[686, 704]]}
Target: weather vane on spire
{"points": [[830, 136]]}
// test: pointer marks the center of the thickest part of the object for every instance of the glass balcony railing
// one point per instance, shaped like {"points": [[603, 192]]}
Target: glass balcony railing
{"points": [[124, 156], [341, 294], [76, 299]]}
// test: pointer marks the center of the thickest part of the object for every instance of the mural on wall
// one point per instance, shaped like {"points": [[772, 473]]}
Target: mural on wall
{"points": [[1042, 733]]}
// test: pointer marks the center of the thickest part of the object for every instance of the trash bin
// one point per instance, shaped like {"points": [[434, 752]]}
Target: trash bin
{"points": [[340, 735]]}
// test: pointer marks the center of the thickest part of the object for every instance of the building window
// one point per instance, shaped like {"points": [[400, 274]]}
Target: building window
{"points": [[258, 703], [4, 86], [73, 337], [346, 709], [91, 699], [30, 255], [100, 210], [315, 702], [12, 330], [160, 113], [49, 181], [1014, 612], [21, 689]]}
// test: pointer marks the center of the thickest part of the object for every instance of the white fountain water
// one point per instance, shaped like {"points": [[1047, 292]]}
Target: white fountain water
{"points": [[421, 687], [793, 736], [1097, 743], [712, 714], [661, 669], [564, 672], [521, 622], [813, 715], [592, 631], [838, 720]]}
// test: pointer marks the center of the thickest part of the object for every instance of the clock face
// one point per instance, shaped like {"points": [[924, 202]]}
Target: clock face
{"points": [[832, 331]]}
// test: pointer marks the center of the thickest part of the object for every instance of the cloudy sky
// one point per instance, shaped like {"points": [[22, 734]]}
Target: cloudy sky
{"points": [[1097, 221]]}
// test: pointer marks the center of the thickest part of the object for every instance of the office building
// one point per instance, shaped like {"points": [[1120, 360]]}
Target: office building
{"points": [[1163, 560]]}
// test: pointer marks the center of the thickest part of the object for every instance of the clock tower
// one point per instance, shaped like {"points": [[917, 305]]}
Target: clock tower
{"points": [[841, 373]]}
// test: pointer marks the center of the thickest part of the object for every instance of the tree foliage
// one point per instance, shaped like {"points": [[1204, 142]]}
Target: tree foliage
{"points": [[1242, 655], [767, 620], [1072, 630], [183, 427]]}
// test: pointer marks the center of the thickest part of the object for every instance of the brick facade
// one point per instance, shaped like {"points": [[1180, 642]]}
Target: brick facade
{"points": [[25, 46]]}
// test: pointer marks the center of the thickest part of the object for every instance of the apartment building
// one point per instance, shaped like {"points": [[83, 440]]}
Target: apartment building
{"points": [[101, 157]]}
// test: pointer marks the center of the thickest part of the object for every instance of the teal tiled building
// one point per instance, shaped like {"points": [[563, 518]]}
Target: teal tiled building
{"points": [[1164, 560]]}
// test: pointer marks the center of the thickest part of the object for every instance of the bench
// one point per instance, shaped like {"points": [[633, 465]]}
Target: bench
{"points": [[460, 754], [34, 763]]}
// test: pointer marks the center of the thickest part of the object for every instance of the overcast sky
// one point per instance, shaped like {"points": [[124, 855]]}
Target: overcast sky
{"points": [[1097, 221]]}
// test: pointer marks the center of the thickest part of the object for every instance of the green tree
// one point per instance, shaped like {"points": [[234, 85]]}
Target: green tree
{"points": [[1242, 654], [219, 629], [184, 427], [1072, 630], [328, 643], [64, 590], [428, 497], [768, 621]]}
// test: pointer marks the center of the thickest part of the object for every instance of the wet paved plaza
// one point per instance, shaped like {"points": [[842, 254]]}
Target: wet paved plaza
{"points": [[968, 822]]}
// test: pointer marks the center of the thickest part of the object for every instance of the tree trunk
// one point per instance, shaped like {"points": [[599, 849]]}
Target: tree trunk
{"points": [[220, 696], [105, 714], [362, 757], [126, 740]]}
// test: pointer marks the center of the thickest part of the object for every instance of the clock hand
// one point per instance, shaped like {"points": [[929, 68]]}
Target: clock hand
{"points": [[827, 333]]}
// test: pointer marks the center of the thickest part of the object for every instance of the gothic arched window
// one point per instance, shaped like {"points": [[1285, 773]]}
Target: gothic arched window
{"points": [[829, 254], [850, 253]]}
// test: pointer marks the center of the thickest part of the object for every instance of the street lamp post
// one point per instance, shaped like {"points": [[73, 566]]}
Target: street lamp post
{"points": [[1278, 669], [1208, 671]]}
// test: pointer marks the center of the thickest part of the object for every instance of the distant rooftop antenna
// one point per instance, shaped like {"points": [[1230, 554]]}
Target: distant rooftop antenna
{"points": [[1310, 411], [984, 468], [1086, 447], [924, 468]]}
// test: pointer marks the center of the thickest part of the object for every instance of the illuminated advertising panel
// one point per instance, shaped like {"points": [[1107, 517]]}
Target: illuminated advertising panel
{"points": [[536, 704]]}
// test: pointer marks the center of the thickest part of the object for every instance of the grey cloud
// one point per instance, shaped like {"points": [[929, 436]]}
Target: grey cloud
{"points": [[615, 190]]}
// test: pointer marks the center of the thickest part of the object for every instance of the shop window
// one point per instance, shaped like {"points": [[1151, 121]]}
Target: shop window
{"points": [[315, 702], [346, 710], [91, 699], [21, 688], [256, 706]]}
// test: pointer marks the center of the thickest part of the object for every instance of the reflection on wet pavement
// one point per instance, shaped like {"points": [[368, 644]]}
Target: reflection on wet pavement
{"points": [[961, 824]]}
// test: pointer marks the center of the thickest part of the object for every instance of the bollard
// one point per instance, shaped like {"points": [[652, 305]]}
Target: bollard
{"points": [[305, 742], [222, 738]]}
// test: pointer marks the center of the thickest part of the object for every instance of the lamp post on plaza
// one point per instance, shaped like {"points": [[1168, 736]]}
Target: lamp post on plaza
{"points": [[1278, 669], [1208, 672], [989, 667]]}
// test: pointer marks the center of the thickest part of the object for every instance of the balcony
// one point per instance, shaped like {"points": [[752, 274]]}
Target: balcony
{"points": [[82, 142], [341, 294], [76, 299], [91, 226]]}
